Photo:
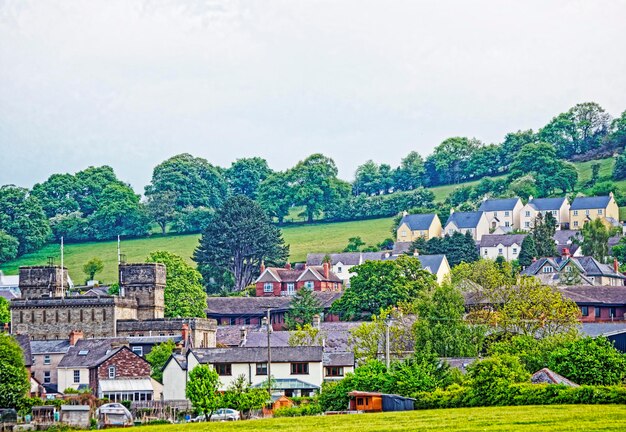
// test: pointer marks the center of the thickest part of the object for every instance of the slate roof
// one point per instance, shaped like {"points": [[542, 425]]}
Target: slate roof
{"points": [[596, 295], [582, 203], [588, 265], [257, 355], [547, 376], [465, 219], [507, 240], [237, 306], [546, 204], [8, 294], [498, 204], [400, 248], [293, 275], [460, 363], [50, 346], [347, 258], [431, 263], [595, 329], [95, 350], [24, 342], [97, 291], [418, 222], [338, 359]]}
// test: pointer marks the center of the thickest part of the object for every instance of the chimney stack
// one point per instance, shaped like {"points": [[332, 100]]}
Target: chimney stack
{"points": [[262, 266], [326, 271], [243, 336], [405, 213], [565, 253], [415, 253], [185, 332], [615, 265], [288, 266], [316, 321], [75, 336]]}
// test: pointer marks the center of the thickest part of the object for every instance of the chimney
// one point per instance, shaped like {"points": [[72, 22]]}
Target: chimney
{"points": [[405, 213], [75, 336], [185, 332], [262, 266], [451, 210], [316, 321], [611, 194], [415, 253], [243, 336], [326, 271], [6, 327], [615, 265], [565, 253], [288, 266], [534, 259]]}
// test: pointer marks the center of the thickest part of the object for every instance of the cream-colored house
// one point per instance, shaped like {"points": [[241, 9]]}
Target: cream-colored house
{"points": [[502, 212], [473, 222], [558, 207], [437, 265], [585, 209], [414, 226], [507, 246]]}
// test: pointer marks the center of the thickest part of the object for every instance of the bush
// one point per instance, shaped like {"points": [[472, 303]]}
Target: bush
{"points": [[490, 379], [304, 410]]}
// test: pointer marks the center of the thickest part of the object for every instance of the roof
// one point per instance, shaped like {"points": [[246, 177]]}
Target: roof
{"points": [[178, 358], [128, 385], [582, 203], [338, 359], [97, 291], [400, 248], [595, 329], [59, 346], [9, 293], [9, 280], [498, 204], [547, 376], [257, 355], [24, 342], [88, 352], [432, 263], [507, 240], [465, 219], [589, 266], [237, 306], [546, 204], [288, 384], [594, 295], [281, 274], [418, 222]]}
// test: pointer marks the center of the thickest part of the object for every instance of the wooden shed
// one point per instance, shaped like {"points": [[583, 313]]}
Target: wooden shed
{"points": [[377, 402], [282, 402]]}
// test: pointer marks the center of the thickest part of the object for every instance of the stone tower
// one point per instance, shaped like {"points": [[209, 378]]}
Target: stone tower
{"points": [[146, 284], [43, 282]]}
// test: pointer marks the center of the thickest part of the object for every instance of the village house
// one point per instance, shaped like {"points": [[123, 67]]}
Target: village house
{"points": [[598, 303], [507, 246], [414, 226], [276, 281], [570, 240], [585, 209], [558, 207], [475, 223], [341, 263], [502, 212]]}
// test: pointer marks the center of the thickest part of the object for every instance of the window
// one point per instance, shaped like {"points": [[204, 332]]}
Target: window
{"points": [[485, 251], [575, 223], [338, 269], [111, 372], [46, 377], [138, 350], [334, 371], [548, 269], [527, 214], [76, 376], [309, 284], [507, 224], [403, 233], [587, 212], [553, 212], [514, 251], [495, 214], [46, 359], [224, 369], [598, 312], [261, 368], [499, 251], [584, 310], [268, 287], [299, 368], [246, 321], [291, 288], [527, 224], [575, 212], [599, 211], [612, 312], [233, 321], [506, 213]]}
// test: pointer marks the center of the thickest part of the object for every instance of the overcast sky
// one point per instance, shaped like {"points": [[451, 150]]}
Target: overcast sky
{"points": [[131, 83]]}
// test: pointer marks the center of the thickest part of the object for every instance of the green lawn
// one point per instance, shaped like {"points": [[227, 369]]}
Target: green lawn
{"points": [[303, 239], [528, 418]]}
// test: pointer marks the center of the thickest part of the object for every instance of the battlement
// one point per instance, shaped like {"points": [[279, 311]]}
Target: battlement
{"points": [[142, 274], [43, 281], [144, 283]]}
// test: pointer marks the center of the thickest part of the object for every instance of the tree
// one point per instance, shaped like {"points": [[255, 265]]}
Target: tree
{"points": [[457, 247], [243, 398], [303, 307], [118, 213], [595, 239], [367, 179], [524, 186], [275, 196], [409, 175], [451, 159], [543, 234], [306, 335], [513, 143], [490, 378], [158, 356], [485, 279], [202, 390], [590, 361], [354, 244], [528, 251], [239, 238], [538, 157], [566, 177], [161, 208], [92, 267], [617, 138], [184, 296], [5, 312], [22, 217], [9, 246], [245, 175], [58, 194], [619, 170], [14, 379], [440, 327], [378, 285]]}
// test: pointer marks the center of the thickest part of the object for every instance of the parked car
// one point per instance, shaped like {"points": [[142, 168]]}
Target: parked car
{"points": [[222, 414]]}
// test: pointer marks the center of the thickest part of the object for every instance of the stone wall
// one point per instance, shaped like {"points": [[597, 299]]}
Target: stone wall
{"points": [[146, 284], [202, 331], [43, 281]]}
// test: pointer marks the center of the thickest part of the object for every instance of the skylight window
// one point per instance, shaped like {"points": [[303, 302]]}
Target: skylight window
{"points": [[83, 352]]}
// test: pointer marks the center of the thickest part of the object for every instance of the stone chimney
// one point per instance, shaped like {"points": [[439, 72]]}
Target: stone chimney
{"points": [[243, 336], [615, 265], [262, 266], [316, 321], [415, 253], [288, 266], [530, 198], [185, 332], [565, 253], [534, 259], [326, 270], [451, 210], [75, 336]]}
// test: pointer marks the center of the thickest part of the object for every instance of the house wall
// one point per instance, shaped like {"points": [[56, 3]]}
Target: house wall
{"points": [[507, 218], [39, 368], [482, 228], [346, 370], [579, 217], [405, 234], [174, 382], [66, 378], [509, 253], [127, 365], [605, 314]]}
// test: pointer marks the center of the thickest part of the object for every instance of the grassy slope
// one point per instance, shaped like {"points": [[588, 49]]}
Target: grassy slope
{"points": [[529, 418], [322, 237]]}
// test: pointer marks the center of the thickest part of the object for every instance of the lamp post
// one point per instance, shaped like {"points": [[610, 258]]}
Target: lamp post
{"points": [[388, 322]]}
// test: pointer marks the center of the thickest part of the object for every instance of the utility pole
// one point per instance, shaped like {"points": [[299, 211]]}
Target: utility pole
{"points": [[388, 321], [269, 354]]}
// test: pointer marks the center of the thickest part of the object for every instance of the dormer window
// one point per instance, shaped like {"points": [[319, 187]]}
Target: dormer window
{"points": [[548, 269]]}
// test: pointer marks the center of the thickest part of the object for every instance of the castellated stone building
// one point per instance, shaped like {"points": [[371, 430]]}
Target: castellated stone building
{"points": [[46, 311]]}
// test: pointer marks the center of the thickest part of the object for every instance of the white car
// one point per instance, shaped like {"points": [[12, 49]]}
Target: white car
{"points": [[222, 414]]}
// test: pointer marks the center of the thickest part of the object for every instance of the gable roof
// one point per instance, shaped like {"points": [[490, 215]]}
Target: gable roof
{"points": [[498, 204], [287, 275], [59, 346], [547, 376], [240, 306], [465, 219], [589, 266], [418, 222], [507, 240], [593, 295], [582, 203], [257, 355], [546, 204], [88, 352], [432, 263]]}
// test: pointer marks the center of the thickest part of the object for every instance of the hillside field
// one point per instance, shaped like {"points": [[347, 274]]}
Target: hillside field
{"points": [[527, 418], [318, 237]]}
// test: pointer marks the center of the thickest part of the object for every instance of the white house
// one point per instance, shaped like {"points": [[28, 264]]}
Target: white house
{"points": [[341, 263], [558, 207], [502, 212], [508, 246], [473, 222]]}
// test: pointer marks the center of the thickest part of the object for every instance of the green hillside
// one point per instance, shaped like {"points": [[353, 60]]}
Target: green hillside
{"points": [[322, 237]]}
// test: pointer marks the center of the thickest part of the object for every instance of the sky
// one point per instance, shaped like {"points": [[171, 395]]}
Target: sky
{"points": [[131, 83]]}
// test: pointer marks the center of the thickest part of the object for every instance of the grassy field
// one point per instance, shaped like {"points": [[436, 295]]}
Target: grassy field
{"points": [[319, 237], [528, 418]]}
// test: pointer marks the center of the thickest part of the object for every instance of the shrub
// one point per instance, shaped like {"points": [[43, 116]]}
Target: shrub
{"points": [[304, 410], [489, 379]]}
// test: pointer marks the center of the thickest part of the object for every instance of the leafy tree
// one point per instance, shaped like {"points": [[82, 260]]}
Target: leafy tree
{"points": [[161, 208], [595, 239], [513, 143], [306, 335], [377, 285], [440, 327], [591, 361], [202, 390], [457, 247], [239, 238], [184, 296], [9, 246], [158, 356], [490, 378], [410, 173], [316, 186], [619, 170], [538, 157], [92, 267], [58, 194], [619, 250], [488, 277], [387, 180], [525, 186], [595, 173], [275, 196], [367, 179], [72, 227], [617, 138], [303, 307], [416, 374], [92, 184], [243, 398], [14, 380], [354, 244], [118, 213], [5, 313], [543, 235], [566, 177], [245, 175], [451, 159], [22, 217]]}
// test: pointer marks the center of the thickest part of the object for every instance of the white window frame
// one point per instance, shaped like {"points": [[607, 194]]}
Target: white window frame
{"points": [[514, 251], [599, 211], [309, 285], [527, 214], [548, 269], [268, 287], [46, 359], [291, 288], [506, 214], [575, 212], [138, 350], [111, 372]]}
